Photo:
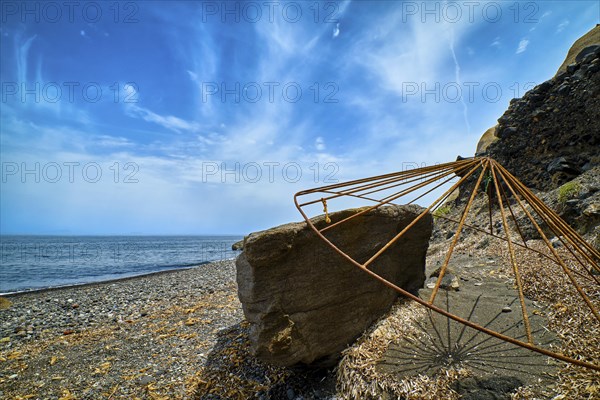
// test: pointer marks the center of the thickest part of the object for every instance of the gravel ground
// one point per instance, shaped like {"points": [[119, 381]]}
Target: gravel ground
{"points": [[150, 337]]}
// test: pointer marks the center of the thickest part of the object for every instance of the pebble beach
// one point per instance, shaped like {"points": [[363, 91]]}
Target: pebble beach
{"points": [[144, 337], [170, 335]]}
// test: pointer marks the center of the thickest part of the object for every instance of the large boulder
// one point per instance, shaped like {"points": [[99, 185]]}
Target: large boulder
{"points": [[486, 139], [305, 302]]}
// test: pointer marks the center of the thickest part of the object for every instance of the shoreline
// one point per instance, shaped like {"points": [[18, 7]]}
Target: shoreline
{"points": [[108, 281]]}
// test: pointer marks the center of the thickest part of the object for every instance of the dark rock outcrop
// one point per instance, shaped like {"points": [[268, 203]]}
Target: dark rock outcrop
{"points": [[552, 134], [238, 245], [305, 302], [550, 138]]}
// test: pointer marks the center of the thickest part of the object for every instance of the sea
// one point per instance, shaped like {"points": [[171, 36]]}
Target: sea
{"points": [[39, 262]]}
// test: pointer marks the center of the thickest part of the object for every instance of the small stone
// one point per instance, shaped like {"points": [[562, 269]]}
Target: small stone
{"points": [[561, 76], [579, 75], [592, 210], [437, 272], [563, 89], [290, 394], [588, 58], [506, 309], [572, 68], [478, 283], [555, 242], [586, 52], [454, 283], [14, 376], [508, 131], [536, 98], [543, 87], [146, 380], [449, 282], [537, 113]]}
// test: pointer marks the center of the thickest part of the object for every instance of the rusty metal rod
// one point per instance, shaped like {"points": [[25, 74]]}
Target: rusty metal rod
{"points": [[513, 260], [556, 232], [555, 218], [463, 218], [387, 201], [377, 180], [399, 235], [566, 270], [516, 244]]}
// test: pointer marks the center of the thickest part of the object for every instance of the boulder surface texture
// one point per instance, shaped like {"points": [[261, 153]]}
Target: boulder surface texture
{"points": [[305, 302]]}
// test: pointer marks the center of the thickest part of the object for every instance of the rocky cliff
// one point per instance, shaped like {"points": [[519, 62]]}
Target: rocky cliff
{"points": [[551, 136]]}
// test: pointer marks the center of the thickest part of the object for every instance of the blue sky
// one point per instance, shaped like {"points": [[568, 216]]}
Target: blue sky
{"points": [[198, 117]]}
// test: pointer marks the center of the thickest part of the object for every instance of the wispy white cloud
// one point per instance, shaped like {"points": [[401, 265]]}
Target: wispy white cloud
{"points": [[112, 141], [320, 144], [496, 42], [522, 46], [336, 30], [22, 56], [170, 122], [561, 27], [458, 80]]}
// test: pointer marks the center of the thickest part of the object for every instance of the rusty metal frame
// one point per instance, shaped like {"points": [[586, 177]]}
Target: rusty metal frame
{"points": [[438, 175]]}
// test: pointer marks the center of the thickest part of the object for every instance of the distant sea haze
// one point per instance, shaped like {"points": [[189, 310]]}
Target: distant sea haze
{"points": [[39, 262]]}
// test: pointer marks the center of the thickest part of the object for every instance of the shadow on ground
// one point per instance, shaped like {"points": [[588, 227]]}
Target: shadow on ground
{"points": [[231, 372], [498, 368]]}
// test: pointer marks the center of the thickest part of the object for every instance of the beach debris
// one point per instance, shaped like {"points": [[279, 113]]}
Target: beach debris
{"points": [[4, 303]]}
